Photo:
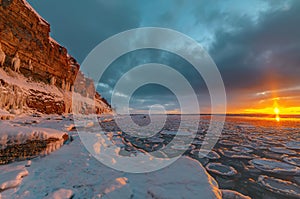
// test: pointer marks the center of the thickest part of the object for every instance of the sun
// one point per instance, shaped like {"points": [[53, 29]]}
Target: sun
{"points": [[277, 111], [274, 109]]}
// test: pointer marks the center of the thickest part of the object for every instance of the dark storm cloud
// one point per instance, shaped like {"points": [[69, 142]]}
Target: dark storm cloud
{"points": [[254, 43], [268, 49]]}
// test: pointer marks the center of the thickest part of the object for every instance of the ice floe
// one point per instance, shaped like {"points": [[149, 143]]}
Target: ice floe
{"points": [[274, 166], [227, 143], [242, 149], [292, 160], [230, 194], [293, 145], [282, 150], [286, 188], [212, 155], [221, 169], [180, 147], [237, 155]]}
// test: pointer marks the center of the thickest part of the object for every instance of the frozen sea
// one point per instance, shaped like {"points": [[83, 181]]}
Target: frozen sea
{"points": [[256, 156]]}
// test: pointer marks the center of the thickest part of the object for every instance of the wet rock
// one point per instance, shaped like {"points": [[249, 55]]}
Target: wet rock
{"points": [[65, 137]]}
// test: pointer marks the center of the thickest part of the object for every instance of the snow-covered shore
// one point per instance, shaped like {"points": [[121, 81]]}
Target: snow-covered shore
{"points": [[72, 172]]}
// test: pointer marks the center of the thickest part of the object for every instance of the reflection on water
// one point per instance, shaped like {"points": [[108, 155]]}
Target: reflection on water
{"points": [[261, 120]]}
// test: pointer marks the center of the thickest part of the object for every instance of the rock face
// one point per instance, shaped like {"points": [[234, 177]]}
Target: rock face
{"points": [[24, 32], [42, 60]]}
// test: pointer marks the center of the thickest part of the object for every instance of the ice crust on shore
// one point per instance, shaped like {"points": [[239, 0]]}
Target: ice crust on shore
{"points": [[72, 172], [13, 134]]}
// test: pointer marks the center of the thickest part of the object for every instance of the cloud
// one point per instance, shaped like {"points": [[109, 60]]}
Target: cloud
{"points": [[255, 44], [262, 55]]}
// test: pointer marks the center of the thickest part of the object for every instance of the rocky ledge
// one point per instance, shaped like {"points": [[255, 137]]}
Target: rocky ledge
{"points": [[36, 73]]}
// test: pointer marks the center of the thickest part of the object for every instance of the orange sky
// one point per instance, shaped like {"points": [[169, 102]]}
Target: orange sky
{"points": [[286, 100]]}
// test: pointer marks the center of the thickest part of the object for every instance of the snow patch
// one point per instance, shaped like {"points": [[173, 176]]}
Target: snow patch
{"points": [[11, 177], [61, 194]]}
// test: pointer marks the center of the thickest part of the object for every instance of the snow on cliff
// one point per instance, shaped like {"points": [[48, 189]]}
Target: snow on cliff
{"points": [[19, 94]]}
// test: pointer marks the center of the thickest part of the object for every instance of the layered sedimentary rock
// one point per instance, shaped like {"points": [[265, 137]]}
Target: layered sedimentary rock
{"points": [[25, 32], [26, 35]]}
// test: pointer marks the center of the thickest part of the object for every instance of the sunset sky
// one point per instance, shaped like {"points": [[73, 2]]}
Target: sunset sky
{"points": [[255, 45]]}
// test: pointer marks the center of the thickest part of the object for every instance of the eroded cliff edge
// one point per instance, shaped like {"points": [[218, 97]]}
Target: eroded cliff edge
{"points": [[45, 81]]}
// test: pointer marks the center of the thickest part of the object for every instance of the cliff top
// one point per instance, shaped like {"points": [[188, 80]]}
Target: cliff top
{"points": [[42, 20]]}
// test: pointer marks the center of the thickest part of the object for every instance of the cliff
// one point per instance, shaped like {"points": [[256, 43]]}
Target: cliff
{"points": [[45, 65]]}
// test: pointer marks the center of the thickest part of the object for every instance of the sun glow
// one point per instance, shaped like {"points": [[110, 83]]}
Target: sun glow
{"points": [[276, 111]]}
